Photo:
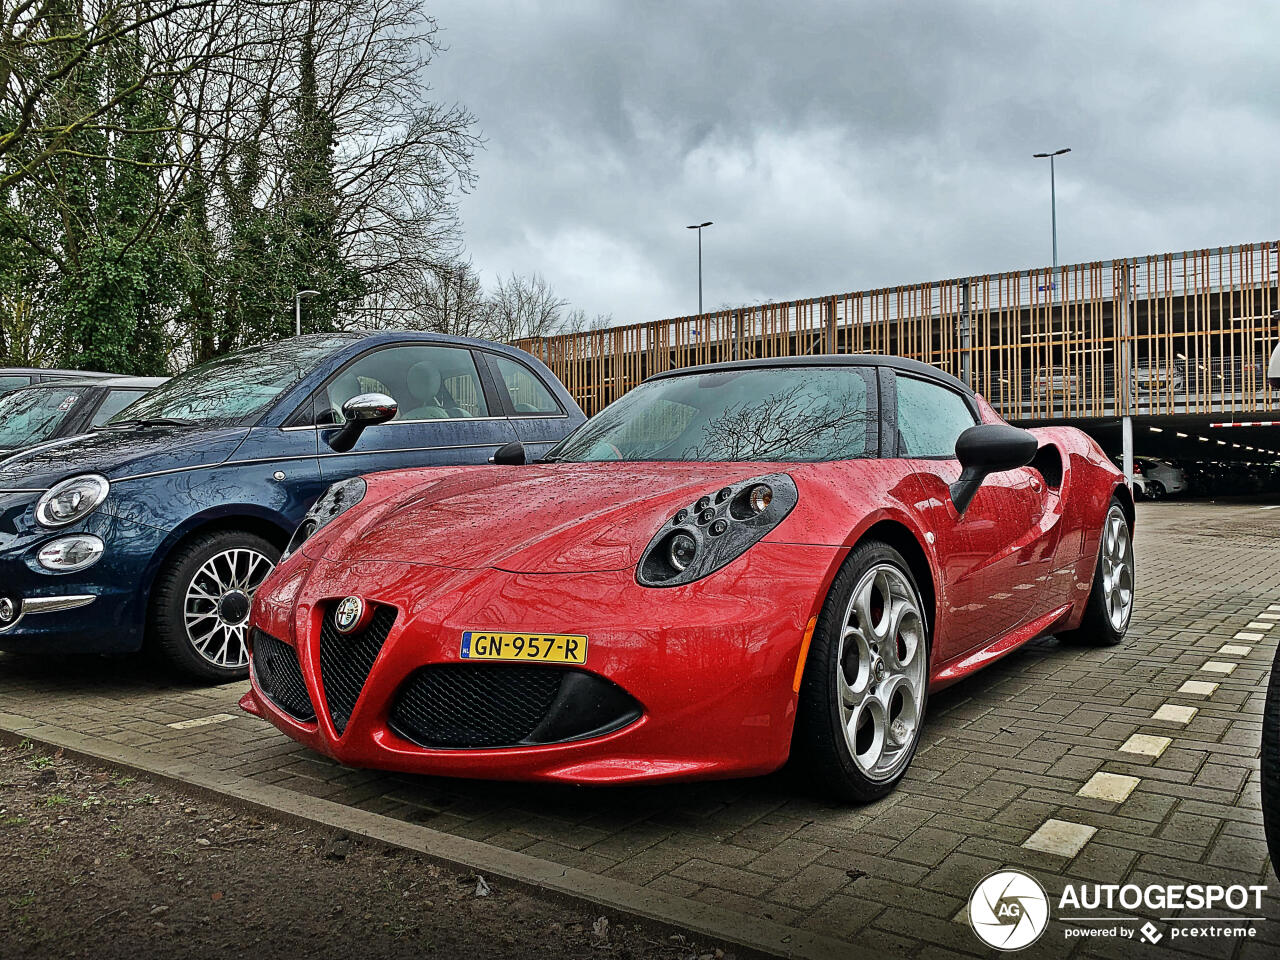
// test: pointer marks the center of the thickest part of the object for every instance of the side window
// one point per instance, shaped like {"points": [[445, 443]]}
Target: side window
{"points": [[529, 395], [427, 383], [113, 403], [930, 418], [13, 383]]}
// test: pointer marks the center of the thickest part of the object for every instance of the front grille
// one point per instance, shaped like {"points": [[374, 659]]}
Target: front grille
{"points": [[466, 705], [346, 659], [275, 665]]}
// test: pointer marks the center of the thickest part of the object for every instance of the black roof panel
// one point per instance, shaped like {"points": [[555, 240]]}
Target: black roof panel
{"points": [[902, 364]]}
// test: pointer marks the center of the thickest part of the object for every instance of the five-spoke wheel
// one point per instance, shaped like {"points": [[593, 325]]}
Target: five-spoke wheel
{"points": [[865, 686]]}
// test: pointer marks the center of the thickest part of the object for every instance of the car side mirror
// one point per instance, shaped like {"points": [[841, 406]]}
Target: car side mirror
{"points": [[989, 448], [509, 455], [365, 410]]}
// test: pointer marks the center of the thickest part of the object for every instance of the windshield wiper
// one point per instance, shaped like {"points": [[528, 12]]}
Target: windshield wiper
{"points": [[148, 422]]}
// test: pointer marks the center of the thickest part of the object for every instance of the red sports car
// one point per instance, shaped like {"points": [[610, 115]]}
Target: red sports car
{"points": [[731, 565]]}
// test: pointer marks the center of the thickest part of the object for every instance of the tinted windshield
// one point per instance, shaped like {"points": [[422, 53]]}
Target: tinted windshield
{"points": [[775, 414], [233, 389]]}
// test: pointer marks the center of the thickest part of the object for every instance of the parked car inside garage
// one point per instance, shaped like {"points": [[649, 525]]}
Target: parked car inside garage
{"points": [[64, 408], [160, 525]]}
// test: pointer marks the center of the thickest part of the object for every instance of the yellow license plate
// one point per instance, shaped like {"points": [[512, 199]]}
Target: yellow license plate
{"points": [[542, 647]]}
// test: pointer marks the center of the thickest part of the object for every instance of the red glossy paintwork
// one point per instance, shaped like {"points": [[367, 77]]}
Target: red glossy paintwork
{"points": [[553, 548]]}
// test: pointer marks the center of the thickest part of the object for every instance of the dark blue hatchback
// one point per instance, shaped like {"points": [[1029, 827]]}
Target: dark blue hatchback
{"points": [[160, 525]]}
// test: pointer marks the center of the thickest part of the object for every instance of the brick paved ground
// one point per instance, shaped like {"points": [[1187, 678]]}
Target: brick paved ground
{"points": [[1003, 754]]}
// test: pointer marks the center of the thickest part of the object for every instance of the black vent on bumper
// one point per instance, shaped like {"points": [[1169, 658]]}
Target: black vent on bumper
{"points": [[275, 665], [461, 705], [346, 659]]}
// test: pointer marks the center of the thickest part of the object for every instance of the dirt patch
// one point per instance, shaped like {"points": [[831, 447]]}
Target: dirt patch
{"points": [[106, 865]]}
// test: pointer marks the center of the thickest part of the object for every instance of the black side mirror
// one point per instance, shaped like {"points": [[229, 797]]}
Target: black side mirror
{"points": [[989, 448], [365, 410], [509, 455]]}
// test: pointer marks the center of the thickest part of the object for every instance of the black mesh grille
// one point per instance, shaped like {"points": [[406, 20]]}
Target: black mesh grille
{"points": [[346, 659], [466, 705], [275, 665]]}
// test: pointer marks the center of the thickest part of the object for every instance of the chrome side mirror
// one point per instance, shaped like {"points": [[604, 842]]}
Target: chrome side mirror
{"points": [[365, 410]]}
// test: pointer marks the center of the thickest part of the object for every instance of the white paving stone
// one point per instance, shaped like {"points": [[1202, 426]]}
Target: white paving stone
{"points": [[1270, 616], [1173, 713], [1218, 666], [1060, 837], [1257, 625], [1246, 635], [1115, 787], [1145, 745], [1235, 650], [1201, 688]]}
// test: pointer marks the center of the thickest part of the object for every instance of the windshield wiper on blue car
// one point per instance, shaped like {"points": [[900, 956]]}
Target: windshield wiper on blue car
{"points": [[149, 421]]}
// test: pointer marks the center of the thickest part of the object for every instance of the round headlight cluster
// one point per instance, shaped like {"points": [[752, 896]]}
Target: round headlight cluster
{"points": [[71, 500]]}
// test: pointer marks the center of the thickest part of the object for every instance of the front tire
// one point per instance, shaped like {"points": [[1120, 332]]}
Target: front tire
{"points": [[865, 685], [199, 619], [1110, 604]]}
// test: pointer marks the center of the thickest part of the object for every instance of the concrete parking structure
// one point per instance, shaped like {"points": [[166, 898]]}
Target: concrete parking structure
{"points": [[1135, 764]]}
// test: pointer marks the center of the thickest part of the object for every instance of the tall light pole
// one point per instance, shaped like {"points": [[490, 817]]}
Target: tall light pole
{"points": [[698, 227], [297, 308], [1053, 201]]}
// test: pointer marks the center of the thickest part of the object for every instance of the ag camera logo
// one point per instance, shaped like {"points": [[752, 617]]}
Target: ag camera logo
{"points": [[1009, 910]]}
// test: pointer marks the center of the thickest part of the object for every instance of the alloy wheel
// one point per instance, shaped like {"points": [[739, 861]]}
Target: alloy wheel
{"points": [[1117, 569], [217, 603], [880, 678]]}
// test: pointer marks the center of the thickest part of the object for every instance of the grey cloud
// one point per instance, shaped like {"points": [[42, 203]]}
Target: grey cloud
{"points": [[845, 145]]}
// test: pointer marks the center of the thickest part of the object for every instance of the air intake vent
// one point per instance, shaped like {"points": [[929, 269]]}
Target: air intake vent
{"points": [[459, 705], [275, 667], [346, 659]]}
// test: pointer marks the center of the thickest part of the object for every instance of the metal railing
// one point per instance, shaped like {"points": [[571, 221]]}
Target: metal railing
{"points": [[1193, 328]]}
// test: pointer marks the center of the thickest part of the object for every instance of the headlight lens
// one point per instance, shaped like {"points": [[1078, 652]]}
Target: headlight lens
{"points": [[69, 554], [334, 502], [71, 500], [715, 530], [681, 550]]}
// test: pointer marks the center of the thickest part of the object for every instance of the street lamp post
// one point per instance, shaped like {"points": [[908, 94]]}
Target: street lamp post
{"points": [[297, 308], [1053, 201], [698, 227]]}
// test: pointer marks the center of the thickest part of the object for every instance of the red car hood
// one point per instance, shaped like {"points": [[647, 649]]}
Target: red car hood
{"points": [[540, 518]]}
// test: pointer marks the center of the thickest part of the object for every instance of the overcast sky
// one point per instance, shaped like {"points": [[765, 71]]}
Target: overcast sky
{"points": [[842, 146]]}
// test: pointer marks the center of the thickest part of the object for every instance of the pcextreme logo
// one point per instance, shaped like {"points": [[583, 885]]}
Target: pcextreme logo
{"points": [[1009, 910]]}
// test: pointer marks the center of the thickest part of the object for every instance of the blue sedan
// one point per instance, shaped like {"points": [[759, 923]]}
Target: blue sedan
{"points": [[158, 527]]}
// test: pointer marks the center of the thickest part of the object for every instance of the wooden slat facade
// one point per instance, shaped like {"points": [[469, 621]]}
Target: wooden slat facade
{"points": [[1194, 330]]}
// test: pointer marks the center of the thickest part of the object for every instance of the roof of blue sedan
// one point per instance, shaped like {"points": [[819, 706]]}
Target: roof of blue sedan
{"points": [[904, 364]]}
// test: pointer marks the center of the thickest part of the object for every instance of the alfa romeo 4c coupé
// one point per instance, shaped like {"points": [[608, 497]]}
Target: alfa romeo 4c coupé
{"points": [[730, 566]]}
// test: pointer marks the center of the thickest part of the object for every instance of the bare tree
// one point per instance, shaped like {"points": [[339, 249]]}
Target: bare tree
{"points": [[524, 307]]}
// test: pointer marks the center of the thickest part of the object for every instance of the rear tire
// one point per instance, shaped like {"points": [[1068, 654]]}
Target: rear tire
{"points": [[1110, 605], [866, 681], [199, 618], [1157, 489]]}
